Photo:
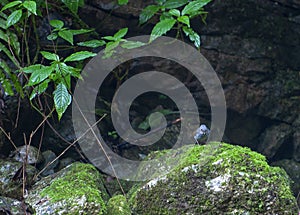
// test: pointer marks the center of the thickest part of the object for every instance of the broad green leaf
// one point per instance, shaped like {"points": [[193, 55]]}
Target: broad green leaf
{"points": [[148, 12], [32, 68], [73, 5], [184, 20], [39, 89], [11, 4], [52, 36], [62, 99], [7, 87], [66, 35], [92, 43], [55, 23], [132, 44], [174, 12], [64, 69], [111, 38], [40, 75], [194, 6], [193, 36], [165, 15], [170, 4], [80, 31], [121, 33], [30, 6], [50, 56], [77, 56], [111, 45], [122, 2], [161, 28], [13, 18]]}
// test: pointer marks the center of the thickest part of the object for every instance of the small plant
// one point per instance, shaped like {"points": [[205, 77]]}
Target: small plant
{"points": [[36, 69]]}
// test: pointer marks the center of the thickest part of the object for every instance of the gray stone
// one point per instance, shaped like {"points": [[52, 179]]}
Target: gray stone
{"points": [[30, 153], [273, 138]]}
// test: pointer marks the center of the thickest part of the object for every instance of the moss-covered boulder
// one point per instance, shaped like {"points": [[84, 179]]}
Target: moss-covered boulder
{"points": [[117, 205], [76, 189], [217, 178]]}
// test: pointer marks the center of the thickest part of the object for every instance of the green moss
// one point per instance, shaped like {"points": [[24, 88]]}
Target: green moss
{"points": [[80, 181], [216, 179], [117, 205]]}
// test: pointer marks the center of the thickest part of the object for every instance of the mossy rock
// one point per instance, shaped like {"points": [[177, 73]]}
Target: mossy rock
{"points": [[117, 205], [9, 186], [217, 178], [76, 189]]}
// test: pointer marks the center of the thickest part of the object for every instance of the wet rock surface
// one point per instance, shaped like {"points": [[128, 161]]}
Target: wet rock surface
{"points": [[215, 179], [76, 189]]}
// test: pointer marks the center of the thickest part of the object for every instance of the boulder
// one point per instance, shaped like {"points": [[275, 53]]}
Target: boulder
{"points": [[11, 178], [76, 189], [217, 178]]}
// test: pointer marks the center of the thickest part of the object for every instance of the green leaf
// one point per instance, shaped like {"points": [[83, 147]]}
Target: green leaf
{"points": [[174, 12], [52, 36], [132, 44], [11, 4], [193, 36], [121, 33], [39, 89], [64, 69], [184, 20], [111, 38], [66, 35], [77, 56], [40, 75], [161, 28], [111, 45], [7, 87], [13, 18], [80, 31], [92, 43], [170, 4], [8, 53], [165, 15], [147, 13], [122, 2], [2, 23], [194, 6], [55, 23], [50, 56], [73, 4], [30, 6], [32, 68], [5, 67], [62, 99]]}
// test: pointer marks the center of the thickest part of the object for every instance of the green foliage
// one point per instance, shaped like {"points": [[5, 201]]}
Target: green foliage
{"points": [[170, 14], [30, 74]]}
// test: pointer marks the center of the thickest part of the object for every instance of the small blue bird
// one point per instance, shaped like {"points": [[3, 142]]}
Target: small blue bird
{"points": [[201, 134]]}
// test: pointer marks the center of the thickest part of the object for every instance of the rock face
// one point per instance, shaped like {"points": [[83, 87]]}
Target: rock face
{"points": [[76, 189], [215, 179], [11, 178]]}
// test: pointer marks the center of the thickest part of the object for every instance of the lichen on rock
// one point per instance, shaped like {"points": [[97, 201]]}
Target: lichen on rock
{"points": [[217, 178], [76, 189]]}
